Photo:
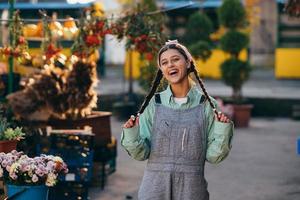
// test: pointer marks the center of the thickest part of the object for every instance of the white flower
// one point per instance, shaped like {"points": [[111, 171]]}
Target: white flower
{"points": [[58, 159], [13, 168], [51, 179], [30, 173]]}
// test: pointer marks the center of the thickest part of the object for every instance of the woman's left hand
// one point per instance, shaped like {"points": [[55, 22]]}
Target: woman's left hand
{"points": [[222, 118]]}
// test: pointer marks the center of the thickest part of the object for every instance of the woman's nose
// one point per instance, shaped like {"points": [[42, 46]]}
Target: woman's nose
{"points": [[170, 64]]}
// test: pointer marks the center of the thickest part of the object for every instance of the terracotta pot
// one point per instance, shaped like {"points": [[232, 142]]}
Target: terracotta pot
{"points": [[241, 115], [7, 146]]}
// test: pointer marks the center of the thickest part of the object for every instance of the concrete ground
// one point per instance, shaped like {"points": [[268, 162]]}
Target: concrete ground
{"points": [[262, 165]]}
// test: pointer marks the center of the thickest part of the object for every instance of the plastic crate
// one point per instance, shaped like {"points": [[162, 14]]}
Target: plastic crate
{"points": [[81, 173], [74, 158], [69, 191]]}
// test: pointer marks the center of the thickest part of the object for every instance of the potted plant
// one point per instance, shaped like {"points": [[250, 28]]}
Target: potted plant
{"points": [[27, 177], [234, 72], [199, 27], [9, 137]]}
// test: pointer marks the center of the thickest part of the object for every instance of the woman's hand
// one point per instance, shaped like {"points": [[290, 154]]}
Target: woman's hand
{"points": [[222, 118], [131, 122]]}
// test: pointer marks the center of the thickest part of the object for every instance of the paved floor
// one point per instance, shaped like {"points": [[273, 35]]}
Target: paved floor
{"points": [[263, 165]]}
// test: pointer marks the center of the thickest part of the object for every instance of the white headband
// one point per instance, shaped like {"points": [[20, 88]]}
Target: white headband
{"points": [[176, 43]]}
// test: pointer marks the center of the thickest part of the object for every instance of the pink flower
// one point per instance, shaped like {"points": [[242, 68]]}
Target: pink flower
{"points": [[34, 178], [21, 169], [4, 163], [13, 176]]}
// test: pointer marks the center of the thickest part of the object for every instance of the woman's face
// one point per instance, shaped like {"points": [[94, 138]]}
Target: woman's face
{"points": [[173, 66]]}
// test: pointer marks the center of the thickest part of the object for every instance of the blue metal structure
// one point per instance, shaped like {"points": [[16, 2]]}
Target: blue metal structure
{"points": [[49, 5], [190, 4], [169, 4]]}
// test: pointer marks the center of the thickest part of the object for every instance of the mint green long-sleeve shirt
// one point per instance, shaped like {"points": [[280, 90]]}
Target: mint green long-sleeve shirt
{"points": [[137, 140]]}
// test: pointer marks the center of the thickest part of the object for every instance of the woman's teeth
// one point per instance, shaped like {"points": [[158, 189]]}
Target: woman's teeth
{"points": [[173, 72]]}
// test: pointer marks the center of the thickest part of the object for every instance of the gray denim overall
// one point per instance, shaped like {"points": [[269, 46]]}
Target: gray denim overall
{"points": [[175, 168]]}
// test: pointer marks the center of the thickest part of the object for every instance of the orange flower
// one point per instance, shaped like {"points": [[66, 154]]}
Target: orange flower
{"points": [[92, 40]]}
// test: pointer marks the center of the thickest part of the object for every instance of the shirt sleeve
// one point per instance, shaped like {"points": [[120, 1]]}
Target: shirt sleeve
{"points": [[219, 136], [137, 140]]}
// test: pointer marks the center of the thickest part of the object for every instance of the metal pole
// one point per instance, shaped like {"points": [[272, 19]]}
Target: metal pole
{"points": [[11, 40], [130, 73]]}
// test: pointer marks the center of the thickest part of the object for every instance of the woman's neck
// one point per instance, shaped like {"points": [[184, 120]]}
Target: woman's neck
{"points": [[181, 89]]}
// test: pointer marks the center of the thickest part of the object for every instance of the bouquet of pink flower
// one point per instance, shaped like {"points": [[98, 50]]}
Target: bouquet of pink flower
{"points": [[18, 169]]}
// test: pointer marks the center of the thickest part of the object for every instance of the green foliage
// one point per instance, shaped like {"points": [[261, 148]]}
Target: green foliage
{"points": [[234, 41], [7, 133], [3, 125], [234, 73], [232, 14], [150, 5], [199, 27], [147, 76], [12, 134], [201, 49]]}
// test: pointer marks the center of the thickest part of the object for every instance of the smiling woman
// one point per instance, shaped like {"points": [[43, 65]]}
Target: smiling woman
{"points": [[177, 130]]}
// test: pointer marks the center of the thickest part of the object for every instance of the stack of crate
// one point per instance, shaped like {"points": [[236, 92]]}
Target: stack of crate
{"points": [[75, 147], [104, 162]]}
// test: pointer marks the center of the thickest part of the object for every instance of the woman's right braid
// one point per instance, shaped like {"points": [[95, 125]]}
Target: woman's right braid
{"points": [[193, 69], [154, 87]]}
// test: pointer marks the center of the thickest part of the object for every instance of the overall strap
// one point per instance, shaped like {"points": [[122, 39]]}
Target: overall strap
{"points": [[203, 99], [157, 98]]}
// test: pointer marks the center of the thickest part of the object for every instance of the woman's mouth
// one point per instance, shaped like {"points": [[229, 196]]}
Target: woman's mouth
{"points": [[173, 72]]}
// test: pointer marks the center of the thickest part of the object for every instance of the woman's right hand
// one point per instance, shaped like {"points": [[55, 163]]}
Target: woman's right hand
{"points": [[131, 122]]}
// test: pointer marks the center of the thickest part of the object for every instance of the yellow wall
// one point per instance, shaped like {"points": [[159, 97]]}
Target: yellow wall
{"points": [[210, 68], [287, 63]]}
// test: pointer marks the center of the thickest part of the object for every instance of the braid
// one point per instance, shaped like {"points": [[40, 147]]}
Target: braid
{"points": [[155, 84], [193, 69]]}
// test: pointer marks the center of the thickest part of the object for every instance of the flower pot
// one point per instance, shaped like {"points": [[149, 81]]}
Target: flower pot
{"points": [[241, 115], [7, 146], [27, 192]]}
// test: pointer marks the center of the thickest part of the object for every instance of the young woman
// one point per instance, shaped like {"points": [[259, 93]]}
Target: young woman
{"points": [[177, 130]]}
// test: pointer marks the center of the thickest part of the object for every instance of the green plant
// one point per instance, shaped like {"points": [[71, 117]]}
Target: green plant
{"points": [[237, 70], [201, 50], [199, 27], [13, 134], [234, 72], [232, 14], [8, 133], [234, 42]]}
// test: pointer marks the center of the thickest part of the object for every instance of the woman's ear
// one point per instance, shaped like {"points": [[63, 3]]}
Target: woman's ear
{"points": [[188, 64]]}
